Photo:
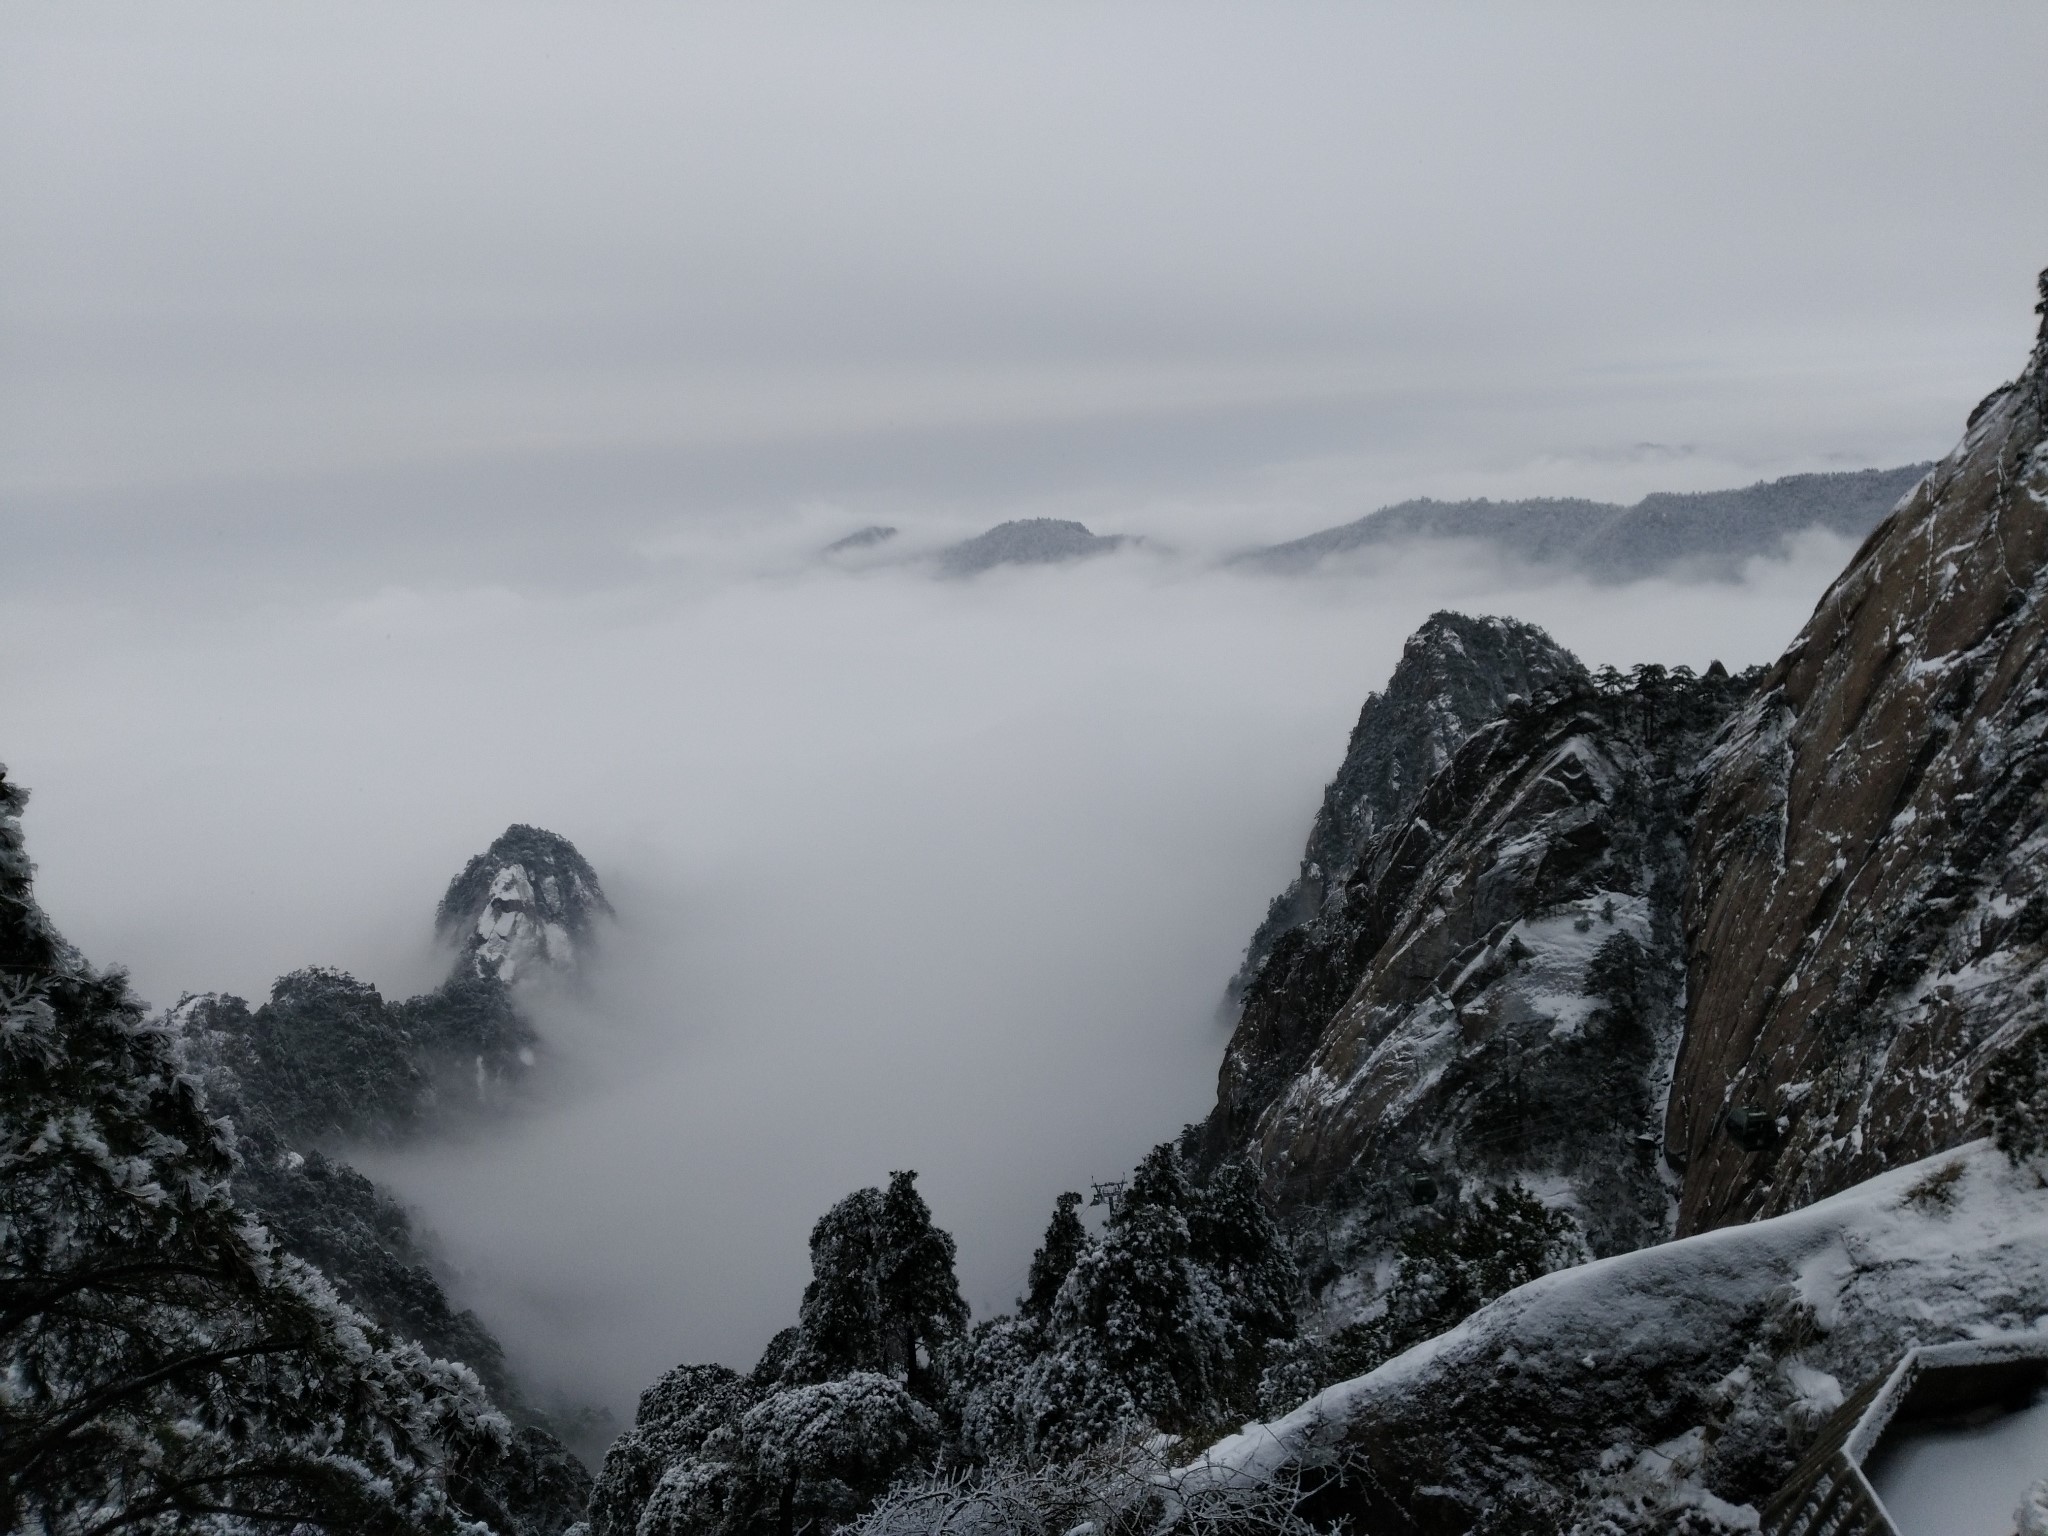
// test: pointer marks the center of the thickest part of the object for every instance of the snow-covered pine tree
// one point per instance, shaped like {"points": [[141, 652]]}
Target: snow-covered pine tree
{"points": [[1154, 1317], [837, 1408], [1065, 1237], [883, 1296], [164, 1366], [1236, 1240], [1163, 1324], [840, 1317], [921, 1306], [1449, 1270], [676, 1416]]}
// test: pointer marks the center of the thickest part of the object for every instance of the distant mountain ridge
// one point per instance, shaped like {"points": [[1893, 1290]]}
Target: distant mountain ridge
{"points": [[1714, 531], [1027, 541], [528, 902]]}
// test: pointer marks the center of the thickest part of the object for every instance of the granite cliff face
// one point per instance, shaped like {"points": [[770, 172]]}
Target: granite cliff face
{"points": [[1684, 954], [1488, 988], [1455, 674], [526, 906], [1867, 914]]}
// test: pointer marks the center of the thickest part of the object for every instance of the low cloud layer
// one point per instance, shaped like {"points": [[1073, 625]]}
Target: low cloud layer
{"points": [[911, 873], [415, 420]]}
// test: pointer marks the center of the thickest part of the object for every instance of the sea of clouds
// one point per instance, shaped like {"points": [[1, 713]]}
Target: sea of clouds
{"points": [[910, 872]]}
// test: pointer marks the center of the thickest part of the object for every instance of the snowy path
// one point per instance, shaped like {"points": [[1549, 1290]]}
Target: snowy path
{"points": [[1963, 1482]]}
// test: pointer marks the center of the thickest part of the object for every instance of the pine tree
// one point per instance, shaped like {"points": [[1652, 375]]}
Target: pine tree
{"points": [[166, 1368], [841, 1314], [921, 1308], [882, 1297], [1450, 1270], [1154, 1319], [1065, 1237]]}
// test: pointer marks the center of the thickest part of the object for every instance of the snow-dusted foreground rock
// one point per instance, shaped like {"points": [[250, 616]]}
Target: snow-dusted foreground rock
{"points": [[1670, 1388]]}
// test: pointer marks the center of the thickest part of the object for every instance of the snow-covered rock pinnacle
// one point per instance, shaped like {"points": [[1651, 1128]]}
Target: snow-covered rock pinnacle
{"points": [[1455, 674], [526, 906], [1489, 988]]}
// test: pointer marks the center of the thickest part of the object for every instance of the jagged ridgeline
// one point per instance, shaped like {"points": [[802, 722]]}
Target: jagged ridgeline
{"points": [[1700, 533], [168, 1366], [1165, 1321], [1477, 977], [1676, 953]]}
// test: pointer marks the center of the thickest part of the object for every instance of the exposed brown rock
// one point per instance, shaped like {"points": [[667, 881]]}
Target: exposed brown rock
{"points": [[1867, 917]]}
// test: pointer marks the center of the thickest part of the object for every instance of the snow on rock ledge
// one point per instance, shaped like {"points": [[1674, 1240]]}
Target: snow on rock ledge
{"points": [[526, 906], [1722, 1352]]}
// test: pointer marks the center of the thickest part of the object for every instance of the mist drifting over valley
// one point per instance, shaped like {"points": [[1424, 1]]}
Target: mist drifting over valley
{"points": [[399, 442], [911, 872]]}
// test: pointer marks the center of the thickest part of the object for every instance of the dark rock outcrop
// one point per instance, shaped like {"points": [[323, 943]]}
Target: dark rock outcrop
{"points": [[1494, 991], [1867, 923], [1704, 532], [1455, 674], [1028, 541]]}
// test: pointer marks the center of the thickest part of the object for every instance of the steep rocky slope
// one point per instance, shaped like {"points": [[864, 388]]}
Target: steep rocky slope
{"points": [[1455, 674], [328, 1062], [526, 906], [1493, 991], [166, 1365], [1867, 918]]}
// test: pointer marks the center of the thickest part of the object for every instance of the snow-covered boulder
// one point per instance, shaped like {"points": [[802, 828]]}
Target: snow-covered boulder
{"points": [[1679, 1380]]}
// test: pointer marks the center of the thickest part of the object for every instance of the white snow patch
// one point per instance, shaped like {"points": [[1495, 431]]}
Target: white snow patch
{"points": [[1881, 1270]]}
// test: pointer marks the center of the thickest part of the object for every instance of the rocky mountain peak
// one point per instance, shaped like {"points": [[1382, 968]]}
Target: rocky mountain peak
{"points": [[1867, 918], [526, 905], [1455, 674]]}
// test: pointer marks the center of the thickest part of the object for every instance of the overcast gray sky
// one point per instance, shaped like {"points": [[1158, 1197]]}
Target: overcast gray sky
{"points": [[270, 266], [419, 418]]}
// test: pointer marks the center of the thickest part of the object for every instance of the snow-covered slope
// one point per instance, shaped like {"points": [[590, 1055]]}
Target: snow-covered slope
{"points": [[525, 906], [1677, 1382], [1867, 928]]}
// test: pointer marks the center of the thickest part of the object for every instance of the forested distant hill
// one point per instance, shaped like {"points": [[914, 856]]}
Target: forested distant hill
{"points": [[1701, 532]]}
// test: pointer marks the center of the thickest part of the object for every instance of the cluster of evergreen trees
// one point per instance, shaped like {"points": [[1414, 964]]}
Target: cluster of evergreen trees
{"points": [[1162, 1324], [173, 1360], [166, 1365], [327, 1057]]}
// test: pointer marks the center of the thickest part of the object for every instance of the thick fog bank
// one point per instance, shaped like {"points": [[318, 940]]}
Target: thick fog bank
{"points": [[911, 873]]}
